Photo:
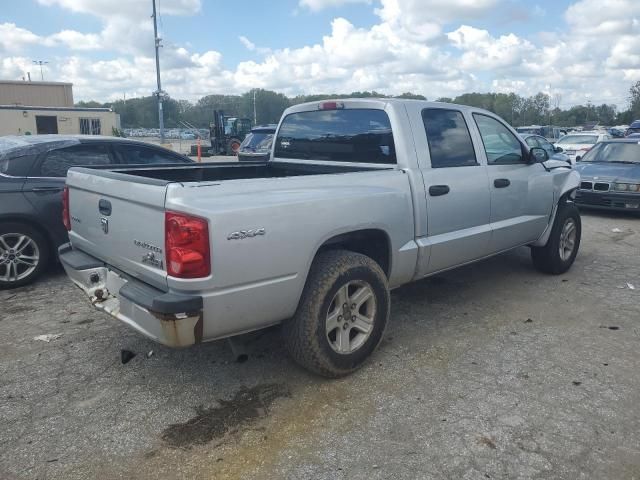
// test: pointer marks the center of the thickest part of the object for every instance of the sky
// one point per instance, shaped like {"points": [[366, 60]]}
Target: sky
{"points": [[574, 50]]}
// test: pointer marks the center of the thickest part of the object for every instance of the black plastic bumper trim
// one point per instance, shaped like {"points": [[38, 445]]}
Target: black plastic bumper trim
{"points": [[76, 259], [158, 301]]}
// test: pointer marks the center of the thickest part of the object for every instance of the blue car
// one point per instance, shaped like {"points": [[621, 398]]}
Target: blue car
{"points": [[633, 128], [610, 174]]}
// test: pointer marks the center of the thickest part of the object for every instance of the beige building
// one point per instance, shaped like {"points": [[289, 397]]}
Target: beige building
{"points": [[42, 94], [31, 108]]}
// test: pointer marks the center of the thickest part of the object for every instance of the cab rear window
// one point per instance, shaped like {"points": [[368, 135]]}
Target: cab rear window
{"points": [[350, 135]]}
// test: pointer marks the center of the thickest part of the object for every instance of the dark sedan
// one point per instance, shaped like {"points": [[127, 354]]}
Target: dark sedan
{"points": [[610, 174], [32, 175]]}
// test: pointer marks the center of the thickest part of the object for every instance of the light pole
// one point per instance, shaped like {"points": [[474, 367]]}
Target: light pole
{"points": [[255, 115], [159, 93], [40, 63]]}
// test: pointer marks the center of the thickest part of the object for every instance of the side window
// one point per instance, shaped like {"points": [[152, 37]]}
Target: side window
{"points": [[544, 143], [57, 162], [449, 139], [17, 166], [138, 155], [501, 146], [532, 142]]}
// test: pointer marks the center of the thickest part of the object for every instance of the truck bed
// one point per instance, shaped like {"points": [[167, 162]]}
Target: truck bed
{"points": [[228, 171]]}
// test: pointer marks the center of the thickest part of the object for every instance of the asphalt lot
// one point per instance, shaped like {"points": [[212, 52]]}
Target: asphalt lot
{"points": [[489, 371]]}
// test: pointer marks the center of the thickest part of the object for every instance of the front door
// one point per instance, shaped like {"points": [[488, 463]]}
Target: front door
{"points": [[457, 193], [46, 124], [521, 192]]}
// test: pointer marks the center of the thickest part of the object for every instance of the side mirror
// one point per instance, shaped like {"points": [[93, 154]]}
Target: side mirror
{"points": [[558, 149], [538, 155]]}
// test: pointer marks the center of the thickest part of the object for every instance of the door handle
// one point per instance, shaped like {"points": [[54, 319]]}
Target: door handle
{"points": [[438, 190], [501, 182], [46, 189]]}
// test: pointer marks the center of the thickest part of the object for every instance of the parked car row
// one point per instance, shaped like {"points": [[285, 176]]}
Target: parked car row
{"points": [[33, 170]]}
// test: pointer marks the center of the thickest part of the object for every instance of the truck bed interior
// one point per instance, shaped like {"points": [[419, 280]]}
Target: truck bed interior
{"points": [[236, 170]]}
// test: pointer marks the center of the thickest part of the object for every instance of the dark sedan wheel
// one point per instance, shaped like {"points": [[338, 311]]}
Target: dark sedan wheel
{"points": [[24, 253]]}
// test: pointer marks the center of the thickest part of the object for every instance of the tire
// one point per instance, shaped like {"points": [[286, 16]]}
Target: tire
{"points": [[233, 147], [549, 259], [33, 249], [318, 337]]}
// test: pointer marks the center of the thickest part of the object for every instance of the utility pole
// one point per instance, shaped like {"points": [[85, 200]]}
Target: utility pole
{"points": [[40, 63], [255, 115], [159, 93]]}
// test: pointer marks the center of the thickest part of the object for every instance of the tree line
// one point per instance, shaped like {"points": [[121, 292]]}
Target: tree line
{"points": [[539, 109]]}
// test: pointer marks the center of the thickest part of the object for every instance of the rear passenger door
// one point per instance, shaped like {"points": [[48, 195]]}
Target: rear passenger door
{"points": [[457, 192], [133, 154], [521, 192], [43, 188]]}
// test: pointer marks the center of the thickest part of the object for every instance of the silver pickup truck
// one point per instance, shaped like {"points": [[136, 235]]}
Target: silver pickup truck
{"points": [[358, 198]]}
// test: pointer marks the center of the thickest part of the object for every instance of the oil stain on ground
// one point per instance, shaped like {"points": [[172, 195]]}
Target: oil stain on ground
{"points": [[247, 406]]}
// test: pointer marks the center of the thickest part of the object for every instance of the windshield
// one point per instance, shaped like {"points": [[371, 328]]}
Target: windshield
{"points": [[257, 142], [614, 152], [578, 140]]}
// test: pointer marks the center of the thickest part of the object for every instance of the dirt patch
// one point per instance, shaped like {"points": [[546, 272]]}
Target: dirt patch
{"points": [[246, 407]]}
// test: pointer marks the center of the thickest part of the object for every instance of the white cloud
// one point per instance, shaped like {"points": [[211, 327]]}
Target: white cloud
{"points": [[317, 5], [484, 52], [14, 39], [432, 47], [249, 45]]}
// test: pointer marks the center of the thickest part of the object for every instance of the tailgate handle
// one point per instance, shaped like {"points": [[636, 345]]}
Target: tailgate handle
{"points": [[104, 206], [46, 189]]}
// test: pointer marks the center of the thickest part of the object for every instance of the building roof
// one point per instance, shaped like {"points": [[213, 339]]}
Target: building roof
{"points": [[56, 109], [34, 83]]}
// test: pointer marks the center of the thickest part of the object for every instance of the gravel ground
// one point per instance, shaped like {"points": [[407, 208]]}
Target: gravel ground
{"points": [[489, 371]]}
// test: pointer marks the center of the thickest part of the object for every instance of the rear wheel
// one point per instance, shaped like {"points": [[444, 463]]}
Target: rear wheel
{"points": [[24, 254], [559, 253], [342, 314]]}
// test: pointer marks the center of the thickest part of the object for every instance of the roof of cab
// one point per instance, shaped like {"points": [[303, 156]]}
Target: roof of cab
{"points": [[379, 103]]}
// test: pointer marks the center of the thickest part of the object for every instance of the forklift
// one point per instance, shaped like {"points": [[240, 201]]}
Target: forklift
{"points": [[226, 134]]}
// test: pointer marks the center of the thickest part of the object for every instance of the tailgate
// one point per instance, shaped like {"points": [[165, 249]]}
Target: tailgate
{"points": [[119, 220]]}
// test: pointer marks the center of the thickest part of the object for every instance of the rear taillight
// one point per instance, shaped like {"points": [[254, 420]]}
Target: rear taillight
{"points": [[186, 241], [66, 218], [330, 106]]}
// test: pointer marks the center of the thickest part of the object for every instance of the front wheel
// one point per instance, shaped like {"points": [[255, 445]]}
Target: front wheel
{"points": [[559, 253], [24, 254], [341, 316]]}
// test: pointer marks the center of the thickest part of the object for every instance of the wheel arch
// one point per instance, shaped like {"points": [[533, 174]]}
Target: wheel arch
{"points": [[565, 192], [372, 242]]}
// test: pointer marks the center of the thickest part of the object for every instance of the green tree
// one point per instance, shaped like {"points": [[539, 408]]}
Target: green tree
{"points": [[634, 101]]}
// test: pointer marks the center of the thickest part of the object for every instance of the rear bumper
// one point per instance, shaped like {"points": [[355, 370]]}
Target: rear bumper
{"points": [[608, 200], [172, 319]]}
